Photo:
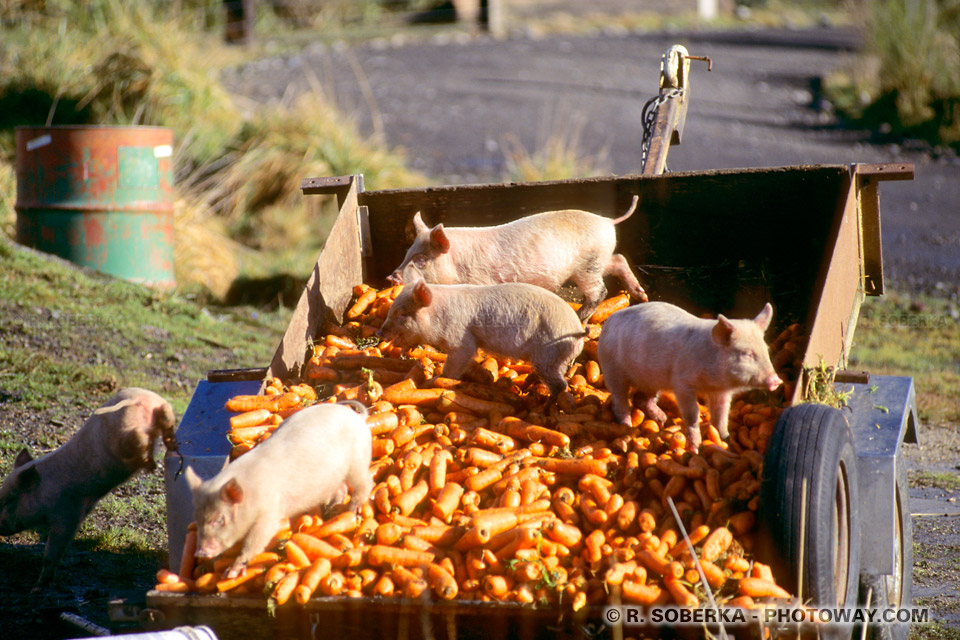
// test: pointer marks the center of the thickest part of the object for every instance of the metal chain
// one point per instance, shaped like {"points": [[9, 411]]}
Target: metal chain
{"points": [[649, 115]]}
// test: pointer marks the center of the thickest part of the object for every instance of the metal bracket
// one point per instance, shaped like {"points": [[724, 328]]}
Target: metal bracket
{"points": [[670, 108]]}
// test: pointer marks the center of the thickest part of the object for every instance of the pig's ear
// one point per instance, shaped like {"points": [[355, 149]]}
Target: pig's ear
{"points": [[418, 224], [764, 317], [193, 480], [422, 294], [22, 458], [722, 331], [439, 240], [232, 492], [28, 479]]}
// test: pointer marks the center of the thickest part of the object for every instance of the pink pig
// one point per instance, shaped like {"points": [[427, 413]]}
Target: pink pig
{"points": [[656, 346], [546, 249], [513, 320]]}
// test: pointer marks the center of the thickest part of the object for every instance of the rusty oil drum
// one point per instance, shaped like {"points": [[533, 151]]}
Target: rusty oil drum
{"points": [[99, 196]]}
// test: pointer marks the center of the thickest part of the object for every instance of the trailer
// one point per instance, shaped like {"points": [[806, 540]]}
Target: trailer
{"points": [[834, 516]]}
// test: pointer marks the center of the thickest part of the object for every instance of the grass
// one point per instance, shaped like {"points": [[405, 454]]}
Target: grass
{"points": [[907, 83], [944, 480], [934, 631], [69, 332], [914, 335]]}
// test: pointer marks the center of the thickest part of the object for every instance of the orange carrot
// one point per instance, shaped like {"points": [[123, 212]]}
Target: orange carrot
{"points": [[251, 572], [444, 585], [447, 501], [165, 576], [332, 584], [565, 534], [736, 563], [608, 307], [382, 423], [572, 466], [714, 574], [407, 501], [716, 543], [380, 555], [360, 306], [639, 593], [681, 595], [760, 588], [343, 523], [384, 586], [311, 578], [696, 535], [659, 564], [285, 588], [474, 537], [296, 555], [250, 418]]}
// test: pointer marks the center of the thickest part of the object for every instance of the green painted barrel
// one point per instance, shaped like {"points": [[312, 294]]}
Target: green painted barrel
{"points": [[99, 196]]}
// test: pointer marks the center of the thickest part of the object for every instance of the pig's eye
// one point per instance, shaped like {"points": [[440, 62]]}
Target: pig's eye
{"points": [[419, 260]]}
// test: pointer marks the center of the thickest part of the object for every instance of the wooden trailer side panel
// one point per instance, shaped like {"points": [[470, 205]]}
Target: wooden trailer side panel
{"points": [[328, 290], [712, 242]]}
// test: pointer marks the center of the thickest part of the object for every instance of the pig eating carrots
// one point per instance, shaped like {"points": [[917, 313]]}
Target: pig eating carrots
{"points": [[56, 491], [303, 465], [513, 320], [546, 249], [658, 346]]}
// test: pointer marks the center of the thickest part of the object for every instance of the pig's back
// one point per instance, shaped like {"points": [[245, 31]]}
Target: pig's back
{"points": [[644, 341], [543, 249], [304, 462], [516, 319]]}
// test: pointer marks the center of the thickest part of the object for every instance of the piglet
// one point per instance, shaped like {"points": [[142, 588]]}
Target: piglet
{"points": [[302, 466], [657, 346], [511, 320], [546, 249], [56, 491]]}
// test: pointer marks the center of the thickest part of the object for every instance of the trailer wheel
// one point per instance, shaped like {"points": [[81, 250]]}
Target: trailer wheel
{"points": [[894, 591], [812, 442]]}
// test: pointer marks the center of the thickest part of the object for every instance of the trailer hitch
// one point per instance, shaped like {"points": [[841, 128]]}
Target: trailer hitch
{"points": [[664, 115]]}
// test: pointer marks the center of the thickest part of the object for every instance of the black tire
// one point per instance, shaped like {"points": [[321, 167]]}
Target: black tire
{"points": [[894, 591], [812, 442]]}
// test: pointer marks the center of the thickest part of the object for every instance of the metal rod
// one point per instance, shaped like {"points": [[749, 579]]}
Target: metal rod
{"points": [[705, 59]]}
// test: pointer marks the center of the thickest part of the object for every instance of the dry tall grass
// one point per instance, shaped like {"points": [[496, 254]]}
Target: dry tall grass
{"points": [[238, 172]]}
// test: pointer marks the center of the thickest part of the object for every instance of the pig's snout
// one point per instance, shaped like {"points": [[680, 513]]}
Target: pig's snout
{"points": [[395, 278], [772, 382], [208, 549]]}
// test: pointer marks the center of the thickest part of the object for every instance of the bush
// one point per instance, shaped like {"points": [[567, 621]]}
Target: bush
{"points": [[908, 81]]}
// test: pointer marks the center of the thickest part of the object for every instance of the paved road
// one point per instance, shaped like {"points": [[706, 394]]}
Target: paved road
{"points": [[453, 104]]}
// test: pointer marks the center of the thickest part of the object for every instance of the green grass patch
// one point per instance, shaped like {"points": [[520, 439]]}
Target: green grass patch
{"points": [[934, 631], [72, 337], [914, 335], [945, 480], [907, 82]]}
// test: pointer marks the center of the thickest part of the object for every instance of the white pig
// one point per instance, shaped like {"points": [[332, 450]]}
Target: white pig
{"points": [[302, 466], [658, 346], [512, 320], [56, 491], [546, 249]]}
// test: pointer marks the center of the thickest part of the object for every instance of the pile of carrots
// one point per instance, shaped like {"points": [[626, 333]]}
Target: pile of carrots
{"points": [[485, 493]]}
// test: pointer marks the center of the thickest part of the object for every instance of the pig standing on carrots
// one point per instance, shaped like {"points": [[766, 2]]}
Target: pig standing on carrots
{"points": [[56, 491], [546, 249], [659, 346], [513, 320], [303, 465]]}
